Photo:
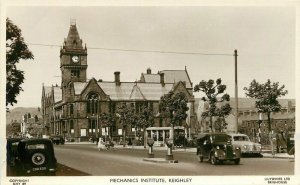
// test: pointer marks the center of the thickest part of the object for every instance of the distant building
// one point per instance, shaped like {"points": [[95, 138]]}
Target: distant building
{"points": [[15, 128], [248, 118], [74, 108]]}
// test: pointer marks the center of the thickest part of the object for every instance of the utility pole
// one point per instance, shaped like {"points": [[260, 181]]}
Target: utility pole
{"points": [[236, 92]]}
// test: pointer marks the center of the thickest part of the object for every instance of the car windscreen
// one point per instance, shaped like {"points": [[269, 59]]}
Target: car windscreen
{"points": [[240, 138], [220, 138], [36, 146]]}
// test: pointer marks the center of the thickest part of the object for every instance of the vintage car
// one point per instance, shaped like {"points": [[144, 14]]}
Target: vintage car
{"points": [[217, 147], [11, 154], [248, 147], [57, 139], [36, 157]]}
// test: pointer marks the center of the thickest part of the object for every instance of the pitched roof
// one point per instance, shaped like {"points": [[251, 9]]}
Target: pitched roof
{"points": [[247, 104], [136, 93], [57, 93], [47, 90], [171, 76], [129, 90], [150, 91], [79, 86], [151, 78]]}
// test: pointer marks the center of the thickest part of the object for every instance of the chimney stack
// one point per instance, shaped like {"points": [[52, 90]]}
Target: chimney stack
{"points": [[117, 78], [149, 71], [162, 79]]}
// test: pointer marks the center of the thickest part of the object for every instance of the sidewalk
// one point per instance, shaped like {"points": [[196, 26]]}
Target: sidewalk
{"points": [[268, 154], [80, 143]]}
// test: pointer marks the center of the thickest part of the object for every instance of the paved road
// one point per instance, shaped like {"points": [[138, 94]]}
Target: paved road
{"points": [[128, 162]]}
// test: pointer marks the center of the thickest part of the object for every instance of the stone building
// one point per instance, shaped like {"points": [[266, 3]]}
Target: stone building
{"points": [[74, 108], [283, 121], [248, 118]]}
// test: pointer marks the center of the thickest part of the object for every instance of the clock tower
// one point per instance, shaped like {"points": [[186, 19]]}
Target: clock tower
{"points": [[73, 58]]}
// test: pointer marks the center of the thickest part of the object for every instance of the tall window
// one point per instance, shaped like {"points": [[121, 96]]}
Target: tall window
{"points": [[92, 125], [71, 126], [93, 103], [71, 109]]}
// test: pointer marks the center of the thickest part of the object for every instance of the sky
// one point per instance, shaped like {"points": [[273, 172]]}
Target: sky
{"points": [[263, 36]]}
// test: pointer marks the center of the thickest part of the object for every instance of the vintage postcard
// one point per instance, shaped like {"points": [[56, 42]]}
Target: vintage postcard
{"points": [[139, 92]]}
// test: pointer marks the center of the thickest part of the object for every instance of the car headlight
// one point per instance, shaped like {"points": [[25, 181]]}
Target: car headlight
{"points": [[218, 147]]}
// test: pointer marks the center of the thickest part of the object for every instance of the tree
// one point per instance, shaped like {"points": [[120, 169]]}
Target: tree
{"points": [[107, 120], [266, 95], [16, 50], [144, 119], [212, 91], [173, 107], [125, 112]]}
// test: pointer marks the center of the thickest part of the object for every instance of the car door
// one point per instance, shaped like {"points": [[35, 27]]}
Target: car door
{"points": [[207, 145]]}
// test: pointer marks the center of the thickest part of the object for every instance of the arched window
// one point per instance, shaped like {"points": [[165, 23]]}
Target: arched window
{"points": [[93, 103]]}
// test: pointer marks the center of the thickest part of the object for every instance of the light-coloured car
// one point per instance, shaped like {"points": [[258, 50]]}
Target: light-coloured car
{"points": [[247, 146]]}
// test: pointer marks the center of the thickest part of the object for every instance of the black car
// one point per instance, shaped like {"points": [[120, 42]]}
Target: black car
{"points": [[58, 139], [36, 157], [11, 155], [217, 147]]}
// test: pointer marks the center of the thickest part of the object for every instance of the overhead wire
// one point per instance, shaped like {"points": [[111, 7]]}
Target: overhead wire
{"points": [[135, 50]]}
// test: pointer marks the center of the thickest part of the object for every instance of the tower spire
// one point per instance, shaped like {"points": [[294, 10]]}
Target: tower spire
{"points": [[73, 22], [73, 41]]}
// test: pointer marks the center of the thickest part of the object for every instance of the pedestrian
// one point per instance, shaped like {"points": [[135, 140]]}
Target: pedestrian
{"points": [[272, 139], [281, 142], [101, 145]]}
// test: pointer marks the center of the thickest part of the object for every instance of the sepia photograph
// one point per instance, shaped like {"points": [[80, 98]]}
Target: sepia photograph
{"points": [[149, 93]]}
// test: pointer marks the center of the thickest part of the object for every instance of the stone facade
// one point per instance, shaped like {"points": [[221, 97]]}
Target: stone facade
{"points": [[74, 109]]}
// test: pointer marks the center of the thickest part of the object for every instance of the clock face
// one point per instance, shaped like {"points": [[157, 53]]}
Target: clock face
{"points": [[75, 59]]}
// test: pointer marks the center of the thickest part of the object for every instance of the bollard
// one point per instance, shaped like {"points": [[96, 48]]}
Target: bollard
{"points": [[150, 143], [169, 155]]}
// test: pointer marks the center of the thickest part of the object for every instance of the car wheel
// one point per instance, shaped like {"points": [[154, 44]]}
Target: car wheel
{"points": [[38, 159], [213, 159], [237, 161]]}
